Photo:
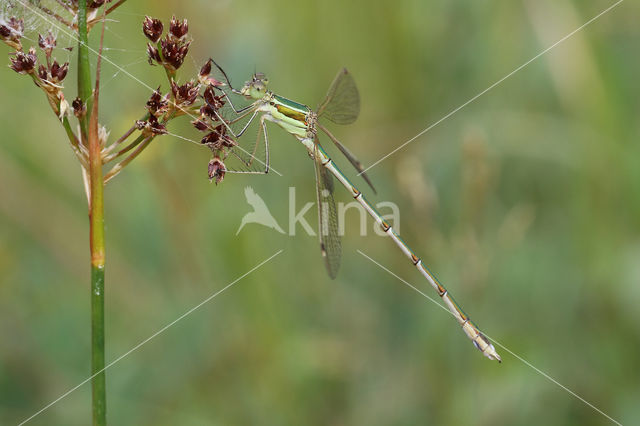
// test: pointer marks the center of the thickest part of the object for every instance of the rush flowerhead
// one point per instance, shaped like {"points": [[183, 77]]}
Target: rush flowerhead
{"points": [[178, 29], [151, 126], [206, 68], [214, 101], [186, 94], [12, 31], [216, 170], [58, 72], [200, 125], [218, 139], [174, 51], [157, 104], [24, 63], [153, 54], [79, 108], [205, 78], [47, 44], [152, 28], [171, 50]]}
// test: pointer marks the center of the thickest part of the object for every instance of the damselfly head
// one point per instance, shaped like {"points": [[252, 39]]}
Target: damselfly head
{"points": [[256, 87]]}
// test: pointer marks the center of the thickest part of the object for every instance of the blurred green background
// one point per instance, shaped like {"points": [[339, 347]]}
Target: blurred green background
{"points": [[525, 203]]}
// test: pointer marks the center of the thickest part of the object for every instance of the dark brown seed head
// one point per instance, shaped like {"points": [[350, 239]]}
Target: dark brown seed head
{"points": [[207, 111], [24, 63], [174, 51], [79, 108], [156, 127], [59, 72], [185, 94], [5, 32], [178, 29], [206, 69], [218, 139], [11, 32], [42, 72], [200, 125], [152, 28], [204, 77], [47, 44], [214, 101], [216, 169], [211, 138], [151, 126], [157, 104], [153, 54]]}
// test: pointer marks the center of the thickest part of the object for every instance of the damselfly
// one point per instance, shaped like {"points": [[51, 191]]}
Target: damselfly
{"points": [[342, 106]]}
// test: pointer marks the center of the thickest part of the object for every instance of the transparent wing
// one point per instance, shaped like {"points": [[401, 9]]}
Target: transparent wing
{"points": [[342, 103], [330, 246], [352, 158]]}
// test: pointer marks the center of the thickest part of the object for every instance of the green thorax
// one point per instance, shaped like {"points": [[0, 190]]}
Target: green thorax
{"points": [[291, 109]]}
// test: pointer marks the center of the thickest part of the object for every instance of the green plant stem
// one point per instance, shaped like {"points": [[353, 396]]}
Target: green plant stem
{"points": [[97, 345], [119, 166], [89, 128], [108, 150], [124, 150]]}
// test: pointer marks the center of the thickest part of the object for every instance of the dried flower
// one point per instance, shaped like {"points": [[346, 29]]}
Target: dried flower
{"points": [[218, 139], [12, 31], [200, 125], [5, 32], [204, 77], [24, 63], [186, 94], [178, 29], [208, 111], [153, 54], [151, 126], [42, 72], [152, 28], [206, 68], [47, 44], [157, 128], [58, 72], [214, 101], [63, 107], [174, 52], [79, 107], [157, 104], [216, 169], [103, 135]]}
